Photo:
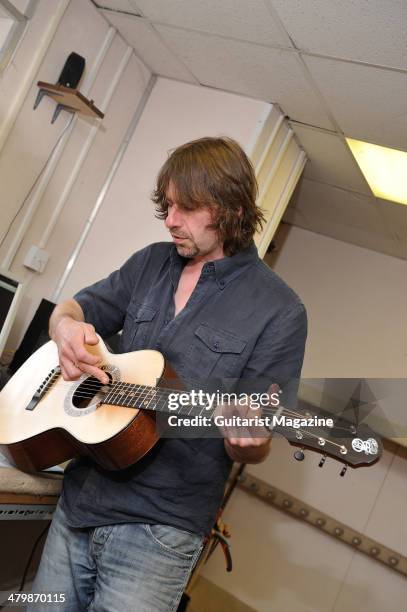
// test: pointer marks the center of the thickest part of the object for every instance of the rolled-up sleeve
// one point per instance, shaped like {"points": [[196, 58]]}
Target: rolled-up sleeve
{"points": [[105, 302]]}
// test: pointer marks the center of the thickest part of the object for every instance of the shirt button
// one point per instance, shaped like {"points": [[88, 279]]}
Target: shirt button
{"points": [[222, 283], [216, 346]]}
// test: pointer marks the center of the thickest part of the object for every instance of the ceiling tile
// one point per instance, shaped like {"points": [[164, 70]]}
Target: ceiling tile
{"points": [[355, 236], [396, 214], [329, 159], [341, 214], [273, 75], [362, 238], [370, 31], [237, 18], [119, 5], [368, 103], [148, 46], [396, 217], [20, 5]]}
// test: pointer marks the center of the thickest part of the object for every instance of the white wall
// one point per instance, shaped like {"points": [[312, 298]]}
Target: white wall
{"points": [[16, 80], [32, 138], [356, 301], [175, 113]]}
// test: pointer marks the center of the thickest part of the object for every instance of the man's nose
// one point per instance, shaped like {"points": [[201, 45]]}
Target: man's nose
{"points": [[173, 217]]}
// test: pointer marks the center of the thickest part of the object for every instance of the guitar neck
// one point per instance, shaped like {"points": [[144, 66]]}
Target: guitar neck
{"points": [[313, 429], [159, 399]]}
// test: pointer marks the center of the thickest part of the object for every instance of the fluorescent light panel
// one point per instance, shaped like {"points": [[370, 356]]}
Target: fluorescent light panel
{"points": [[384, 169]]}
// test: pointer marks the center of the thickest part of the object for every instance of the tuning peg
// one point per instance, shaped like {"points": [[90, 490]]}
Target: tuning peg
{"points": [[322, 461], [299, 455], [343, 470]]}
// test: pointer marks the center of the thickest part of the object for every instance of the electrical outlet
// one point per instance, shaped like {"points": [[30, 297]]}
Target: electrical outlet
{"points": [[36, 259]]}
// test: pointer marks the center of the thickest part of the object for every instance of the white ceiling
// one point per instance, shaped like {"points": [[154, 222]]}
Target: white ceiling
{"points": [[336, 68]]}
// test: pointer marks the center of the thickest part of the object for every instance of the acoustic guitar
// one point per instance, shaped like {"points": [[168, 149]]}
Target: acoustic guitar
{"points": [[45, 420]]}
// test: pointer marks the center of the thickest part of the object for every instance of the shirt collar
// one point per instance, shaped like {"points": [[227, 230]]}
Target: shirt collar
{"points": [[176, 265], [225, 269]]}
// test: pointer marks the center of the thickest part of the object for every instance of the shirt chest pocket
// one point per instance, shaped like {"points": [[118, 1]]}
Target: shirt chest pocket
{"points": [[215, 352], [138, 326]]}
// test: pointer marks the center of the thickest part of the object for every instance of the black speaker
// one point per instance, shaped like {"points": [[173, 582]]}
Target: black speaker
{"points": [[72, 71], [35, 336]]}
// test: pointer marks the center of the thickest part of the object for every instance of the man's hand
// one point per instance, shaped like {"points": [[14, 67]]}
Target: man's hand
{"points": [[244, 443], [71, 334]]}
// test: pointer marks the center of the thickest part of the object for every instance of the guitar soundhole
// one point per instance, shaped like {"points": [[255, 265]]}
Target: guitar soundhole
{"points": [[89, 392]]}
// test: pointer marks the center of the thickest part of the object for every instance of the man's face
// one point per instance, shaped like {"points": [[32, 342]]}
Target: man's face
{"points": [[191, 230]]}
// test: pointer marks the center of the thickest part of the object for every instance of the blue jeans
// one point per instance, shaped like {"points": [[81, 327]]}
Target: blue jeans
{"points": [[131, 567]]}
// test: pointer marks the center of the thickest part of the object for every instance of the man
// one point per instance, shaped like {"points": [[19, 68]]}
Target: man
{"points": [[128, 540]]}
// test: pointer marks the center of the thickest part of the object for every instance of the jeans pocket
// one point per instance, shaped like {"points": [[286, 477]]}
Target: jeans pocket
{"points": [[175, 541]]}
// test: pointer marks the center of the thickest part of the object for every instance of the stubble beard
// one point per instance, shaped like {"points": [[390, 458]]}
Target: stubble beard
{"points": [[187, 252]]}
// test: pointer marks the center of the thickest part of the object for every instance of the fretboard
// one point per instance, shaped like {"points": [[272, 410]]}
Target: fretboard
{"points": [[156, 399]]}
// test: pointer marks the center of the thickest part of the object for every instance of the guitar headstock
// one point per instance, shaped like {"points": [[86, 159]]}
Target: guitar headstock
{"points": [[355, 445]]}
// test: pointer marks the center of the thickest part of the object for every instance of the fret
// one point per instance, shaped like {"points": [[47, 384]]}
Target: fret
{"points": [[134, 400], [164, 405], [204, 410], [147, 397], [141, 396], [110, 398], [128, 394], [153, 392], [118, 394], [130, 398]]}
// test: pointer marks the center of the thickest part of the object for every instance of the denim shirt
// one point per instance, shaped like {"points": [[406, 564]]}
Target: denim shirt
{"points": [[241, 321]]}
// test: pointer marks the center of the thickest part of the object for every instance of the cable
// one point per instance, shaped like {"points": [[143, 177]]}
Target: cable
{"points": [[27, 566], [35, 182]]}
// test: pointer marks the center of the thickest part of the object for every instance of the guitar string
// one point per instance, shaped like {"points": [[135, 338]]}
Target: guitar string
{"points": [[96, 386], [123, 386], [158, 390], [144, 390], [140, 400], [92, 384], [284, 411]]}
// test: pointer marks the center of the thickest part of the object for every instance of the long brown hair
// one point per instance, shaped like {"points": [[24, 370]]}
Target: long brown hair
{"points": [[214, 172]]}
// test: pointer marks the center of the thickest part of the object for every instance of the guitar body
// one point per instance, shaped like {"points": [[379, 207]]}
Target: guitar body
{"points": [[45, 420], [69, 419]]}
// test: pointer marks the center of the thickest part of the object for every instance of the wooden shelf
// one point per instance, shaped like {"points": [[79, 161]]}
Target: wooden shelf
{"points": [[68, 99]]}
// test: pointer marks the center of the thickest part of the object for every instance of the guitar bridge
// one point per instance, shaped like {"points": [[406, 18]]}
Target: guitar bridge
{"points": [[43, 388]]}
